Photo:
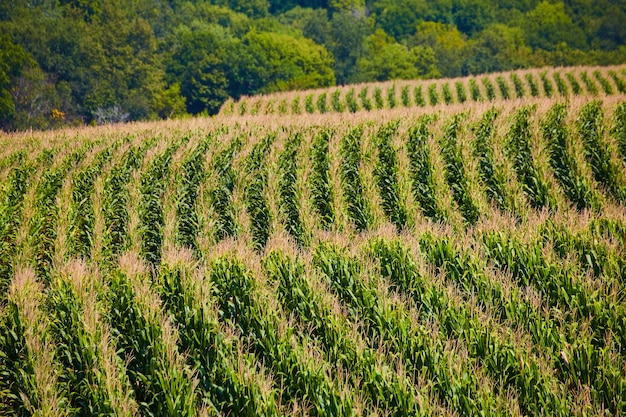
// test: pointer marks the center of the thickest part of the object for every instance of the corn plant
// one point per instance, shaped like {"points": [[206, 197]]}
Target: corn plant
{"points": [[296, 108], [357, 205], [504, 88], [378, 98], [321, 192], [490, 91], [221, 194], [309, 107], [619, 83], [42, 232], [159, 387], [517, 84], [618, 131], [11, 207], [405, 96], [287, 186], [433, 97], [590, 124], [81, 210], [518, 149], [351, 102], [474, 90], [560, 84], [576, 88], [365, 101], [447, 94], [189, 177], [243, 107], [283, 107], [565, 169], [419, 96], [254, 109], [151, 216], [423, 184], [256, 204], [604, 83], [460, 92], [391, 97], [386, 174], [115, 201], [492, 178], [532, 84], [455, 171], [322, 103], [548, 89], [592, 88], [335, 101]]}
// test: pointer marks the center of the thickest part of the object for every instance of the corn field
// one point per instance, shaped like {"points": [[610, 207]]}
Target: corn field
{"points": [[357, 253], [561, 83]]}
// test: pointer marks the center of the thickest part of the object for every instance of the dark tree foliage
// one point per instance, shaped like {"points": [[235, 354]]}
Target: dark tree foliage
{"points": [[70, 62]]}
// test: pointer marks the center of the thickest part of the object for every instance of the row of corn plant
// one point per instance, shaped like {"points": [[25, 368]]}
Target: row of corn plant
{"points": [[592, 355], [255, 200], [366, 103], [492, 178], [11, 206], [503, 87], [489, 89], [386, 174], [319, 179], [618, 131], [288, 190], [93, 374], [566, 171], [211, 354], [145, 337], [455, 171], [517, 84], [591, 251], [423, 183], [548, 88], [474, 90], [222, 194], [82, 216], [391, 393], [589, 84], [115, 201], [391, 326], [419, 96], [518, 146], [576, 88], [560, 84], [503, 359], [357, 206], [619, 82], [151, 216], [532, 84], [590, 126], [29, 384], [301, 379], [604, 83], [189, 176], [42, 232]]}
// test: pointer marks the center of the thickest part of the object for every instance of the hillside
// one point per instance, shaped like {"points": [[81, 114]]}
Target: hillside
{"points": [[495, 88], [467, 259]]}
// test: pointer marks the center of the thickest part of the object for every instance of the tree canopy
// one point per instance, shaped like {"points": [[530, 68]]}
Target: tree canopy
{"points": [[69, 62]]}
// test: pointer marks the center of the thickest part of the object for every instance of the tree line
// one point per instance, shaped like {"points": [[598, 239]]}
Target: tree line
{"points": [[71, 62]]}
